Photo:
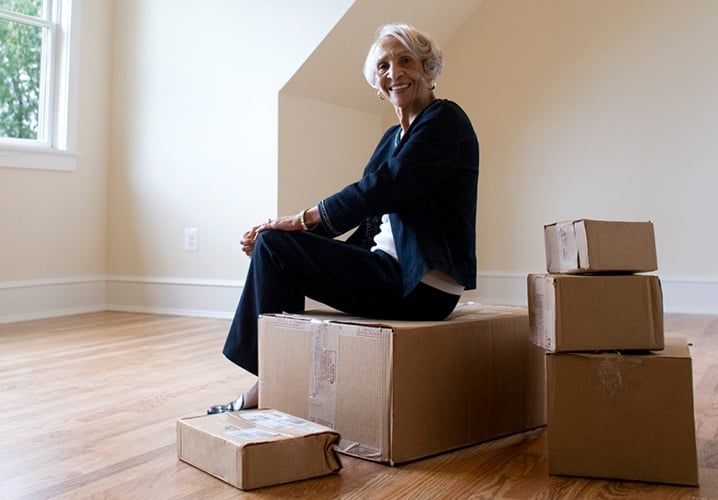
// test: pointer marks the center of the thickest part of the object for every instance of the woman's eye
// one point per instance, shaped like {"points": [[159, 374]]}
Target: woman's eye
{"points": [[382, 68]]}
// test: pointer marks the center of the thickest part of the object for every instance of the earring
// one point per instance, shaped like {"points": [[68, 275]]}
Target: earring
{"points": [[380, 95], [433, 85]]}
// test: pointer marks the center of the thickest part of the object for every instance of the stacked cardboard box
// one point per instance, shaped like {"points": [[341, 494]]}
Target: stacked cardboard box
{"points": [[619, 394]]}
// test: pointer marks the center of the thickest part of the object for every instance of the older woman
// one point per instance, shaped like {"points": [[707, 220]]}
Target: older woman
{"points": [[414, 209]]}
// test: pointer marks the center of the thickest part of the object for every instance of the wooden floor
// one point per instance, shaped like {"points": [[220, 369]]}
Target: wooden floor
{"points": [[88, 406]]}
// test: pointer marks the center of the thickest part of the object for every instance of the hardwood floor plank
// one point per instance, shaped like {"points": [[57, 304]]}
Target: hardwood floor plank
{"points": [[90, 403]]}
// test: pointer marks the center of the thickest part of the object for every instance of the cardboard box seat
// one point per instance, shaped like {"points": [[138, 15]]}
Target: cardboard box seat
{"points": [[398, 390]]}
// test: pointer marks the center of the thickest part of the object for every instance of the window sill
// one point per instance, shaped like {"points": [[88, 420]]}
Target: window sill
{"points": [[37, 158]]}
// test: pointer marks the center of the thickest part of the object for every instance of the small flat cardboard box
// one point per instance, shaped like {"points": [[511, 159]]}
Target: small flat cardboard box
{"points": [[595, 246], [595, 313], [257, 448], [626, 417], [397, 390]]}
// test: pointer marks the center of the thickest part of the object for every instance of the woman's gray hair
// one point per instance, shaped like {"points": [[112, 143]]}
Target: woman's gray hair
{"points": [[418, 43]]}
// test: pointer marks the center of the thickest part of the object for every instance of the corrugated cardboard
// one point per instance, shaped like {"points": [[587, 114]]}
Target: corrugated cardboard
{"points": [[593, 313], [256, 448], [398, 391], [623, 416], [594, 246]]}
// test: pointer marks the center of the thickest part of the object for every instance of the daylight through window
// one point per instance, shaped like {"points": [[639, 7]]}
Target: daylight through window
{"points": [[34, 78]]}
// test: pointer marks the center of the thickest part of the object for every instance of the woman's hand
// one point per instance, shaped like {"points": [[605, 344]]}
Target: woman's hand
{"points": [[248, 239], [285, 223]]}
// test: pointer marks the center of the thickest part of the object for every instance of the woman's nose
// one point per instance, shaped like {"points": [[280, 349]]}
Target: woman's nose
{"points": [[395, 71]]}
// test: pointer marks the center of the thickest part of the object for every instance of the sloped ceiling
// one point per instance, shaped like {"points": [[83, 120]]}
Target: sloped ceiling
{"points": [[333, 72]]}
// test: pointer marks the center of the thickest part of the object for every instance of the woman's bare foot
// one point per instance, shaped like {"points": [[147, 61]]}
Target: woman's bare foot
{"points": [[251, 396]]}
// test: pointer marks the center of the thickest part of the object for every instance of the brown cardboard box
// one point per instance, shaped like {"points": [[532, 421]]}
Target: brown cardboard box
{"points": [[398, 391], [256, 448], [594, 313], [594, 246], [621, 416]]}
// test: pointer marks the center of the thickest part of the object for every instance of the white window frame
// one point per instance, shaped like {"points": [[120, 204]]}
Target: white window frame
{"points": [[56, 148]]}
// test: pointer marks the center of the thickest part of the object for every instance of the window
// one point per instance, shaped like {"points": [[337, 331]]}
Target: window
{"points": [[37, 84]]}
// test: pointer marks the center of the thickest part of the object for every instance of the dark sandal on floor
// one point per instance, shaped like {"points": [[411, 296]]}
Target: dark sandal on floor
{"points": [[236, 405]]}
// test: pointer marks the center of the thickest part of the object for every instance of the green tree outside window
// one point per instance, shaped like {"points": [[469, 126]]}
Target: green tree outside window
{"points": [[20, 70]]}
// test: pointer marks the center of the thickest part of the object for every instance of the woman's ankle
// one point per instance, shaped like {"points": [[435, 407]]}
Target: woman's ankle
{"points": [[251, 396]]}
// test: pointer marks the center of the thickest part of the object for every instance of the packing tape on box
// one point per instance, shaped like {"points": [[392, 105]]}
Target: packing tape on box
{"points": [[610, 376], [323, 375], [359, 450], [567, 237], [543, 316]]}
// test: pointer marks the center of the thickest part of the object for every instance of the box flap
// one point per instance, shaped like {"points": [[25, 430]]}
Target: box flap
{"points": [[463, 312], [560, 243], [255, 426]]}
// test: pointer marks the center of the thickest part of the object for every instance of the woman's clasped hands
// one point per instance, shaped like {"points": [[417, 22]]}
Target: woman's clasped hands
{"points": [[284, 223]]}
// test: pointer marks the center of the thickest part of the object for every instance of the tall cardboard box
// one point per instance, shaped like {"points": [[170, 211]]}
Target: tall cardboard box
{"points": [[595, 246], [594, 313], [257, 448], [623, 416], [397, 391]]}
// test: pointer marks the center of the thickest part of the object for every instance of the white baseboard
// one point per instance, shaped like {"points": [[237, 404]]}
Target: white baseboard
{"points": [[183, 297], [507, 289], [689, 295], [36, 299]]}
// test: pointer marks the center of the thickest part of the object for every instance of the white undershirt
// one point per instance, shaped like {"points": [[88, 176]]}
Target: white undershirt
{"points": [[384, 241]]}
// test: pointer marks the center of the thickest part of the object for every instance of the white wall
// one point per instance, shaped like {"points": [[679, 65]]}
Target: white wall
{"points": [[194, 143], [212, 117], [314, 159], [53, 225], [600, 109], [195, 128]]}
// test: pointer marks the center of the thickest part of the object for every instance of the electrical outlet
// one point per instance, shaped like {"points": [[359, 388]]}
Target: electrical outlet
{"points": [[190, 239]]}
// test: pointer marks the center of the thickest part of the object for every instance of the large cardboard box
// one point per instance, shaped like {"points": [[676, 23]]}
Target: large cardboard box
{"points": [[595, 246], [621, 416], [256, 448], [593, 313], [397, 391]]}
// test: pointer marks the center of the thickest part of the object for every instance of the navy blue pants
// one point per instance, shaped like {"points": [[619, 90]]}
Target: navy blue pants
{"points": [[286, 266]]}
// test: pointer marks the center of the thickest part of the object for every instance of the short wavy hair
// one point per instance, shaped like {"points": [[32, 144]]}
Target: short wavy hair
{"points": [[418, 43]]}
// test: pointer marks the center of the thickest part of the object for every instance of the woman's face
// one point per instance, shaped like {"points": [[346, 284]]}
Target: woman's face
{"points": [[401, 76]]}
